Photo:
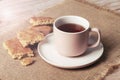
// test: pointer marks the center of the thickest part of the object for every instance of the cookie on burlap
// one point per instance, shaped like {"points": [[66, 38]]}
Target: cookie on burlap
{"points": [[41, 20], [29, 37], [16, 50], [27, 61], [44, 29]]}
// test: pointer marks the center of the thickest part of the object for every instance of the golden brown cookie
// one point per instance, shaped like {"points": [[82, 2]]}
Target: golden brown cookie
{"points": [[29, 37], [41, 20], [44, 29], [27, 61], [16, 50]]}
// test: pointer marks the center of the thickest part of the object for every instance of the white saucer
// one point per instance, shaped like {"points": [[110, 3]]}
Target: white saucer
{"points": [[49, 54]]}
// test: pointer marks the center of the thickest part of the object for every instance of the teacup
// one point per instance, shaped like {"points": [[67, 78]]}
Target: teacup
{"points": [[71, 35]]}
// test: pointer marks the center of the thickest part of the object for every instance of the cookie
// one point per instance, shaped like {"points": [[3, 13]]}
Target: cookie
{"points": [[16, 50], [27, 61], [29, 37], [41, 20], [44, 29]]}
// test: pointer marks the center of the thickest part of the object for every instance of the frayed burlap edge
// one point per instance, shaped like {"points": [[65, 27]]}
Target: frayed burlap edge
{"points": [[107, 69], [98, 7]]}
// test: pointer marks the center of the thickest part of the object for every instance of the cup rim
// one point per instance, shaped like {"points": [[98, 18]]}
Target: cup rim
{"points": [[54, 24]]}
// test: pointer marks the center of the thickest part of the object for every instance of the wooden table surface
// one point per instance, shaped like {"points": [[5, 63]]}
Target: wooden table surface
{"points": [[113, 5], [14, 13]]}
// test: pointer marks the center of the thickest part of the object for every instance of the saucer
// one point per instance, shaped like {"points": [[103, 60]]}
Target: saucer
{"points": [[48, 53]]}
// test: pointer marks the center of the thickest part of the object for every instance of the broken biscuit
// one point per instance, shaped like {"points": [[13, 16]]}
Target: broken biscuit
{"points": [[26, 61], [29, 37], [41, 20], [16, 50], [44, 29]]}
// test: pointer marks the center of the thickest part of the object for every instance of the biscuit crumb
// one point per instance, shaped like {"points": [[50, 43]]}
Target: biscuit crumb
{"points": [[41, 20], [44, 29], [29, 37], [16, 50], [27, 61]]}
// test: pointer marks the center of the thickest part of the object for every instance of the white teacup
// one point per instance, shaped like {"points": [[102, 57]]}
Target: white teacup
{"points": [[73, 43]]}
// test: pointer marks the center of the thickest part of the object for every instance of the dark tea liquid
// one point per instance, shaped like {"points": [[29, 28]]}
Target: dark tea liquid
{"points": [[70, 27]]}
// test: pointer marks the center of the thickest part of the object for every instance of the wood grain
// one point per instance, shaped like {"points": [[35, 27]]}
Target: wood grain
{"points": [[109, 4], [14, 13]]}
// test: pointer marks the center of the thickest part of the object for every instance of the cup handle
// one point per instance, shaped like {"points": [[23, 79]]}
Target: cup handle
{"points": [[98, 39]]}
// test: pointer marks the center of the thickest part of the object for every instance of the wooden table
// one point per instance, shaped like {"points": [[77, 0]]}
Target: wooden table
{"points": [[112, 5], [14, 13]]}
